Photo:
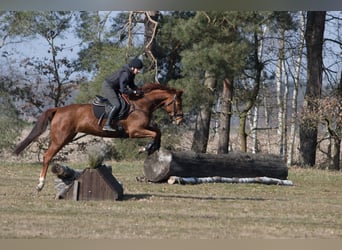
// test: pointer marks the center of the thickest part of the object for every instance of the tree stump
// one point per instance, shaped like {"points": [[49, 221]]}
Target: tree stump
{"points": [[162, 164]]}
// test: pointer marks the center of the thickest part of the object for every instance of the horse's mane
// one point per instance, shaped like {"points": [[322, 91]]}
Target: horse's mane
{"points": [[152, 86]]}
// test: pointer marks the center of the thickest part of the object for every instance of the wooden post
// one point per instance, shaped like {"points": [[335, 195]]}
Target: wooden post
{"points": [[75, 190], [162, 164]]}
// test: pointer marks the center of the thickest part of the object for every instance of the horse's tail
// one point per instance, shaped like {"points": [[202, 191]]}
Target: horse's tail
{"points": [[37, 130]]}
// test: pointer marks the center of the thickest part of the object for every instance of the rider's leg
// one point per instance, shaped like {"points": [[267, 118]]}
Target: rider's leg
{"points": [[113, 98], [107, 126]]}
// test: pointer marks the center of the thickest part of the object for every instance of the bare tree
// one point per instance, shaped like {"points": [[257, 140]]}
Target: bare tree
{"points": [[252, 96], [297, 65], [280, 92]]}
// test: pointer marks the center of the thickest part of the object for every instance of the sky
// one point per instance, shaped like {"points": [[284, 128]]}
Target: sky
{"points": [[38, 47]]}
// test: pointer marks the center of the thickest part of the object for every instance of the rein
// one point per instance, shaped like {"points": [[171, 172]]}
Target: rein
{"points": [[175, 114]]}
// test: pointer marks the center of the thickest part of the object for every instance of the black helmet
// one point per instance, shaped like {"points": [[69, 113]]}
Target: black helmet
{"points": [[136, 63]]}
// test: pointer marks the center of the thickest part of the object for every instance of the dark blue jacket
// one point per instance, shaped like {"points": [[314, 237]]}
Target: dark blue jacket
{"points": [[121, 79]]}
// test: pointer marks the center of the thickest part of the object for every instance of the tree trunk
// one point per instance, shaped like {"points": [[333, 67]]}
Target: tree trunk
{"points": [[314, 44], [258, 66], [280, 93], [242, 131], [285, 115], [254, 127], [225, 117], [292, 138], [201, 134], [217, 179], [267, 122], [255, 114], [336, 154], [336, 147], [162, 164]]}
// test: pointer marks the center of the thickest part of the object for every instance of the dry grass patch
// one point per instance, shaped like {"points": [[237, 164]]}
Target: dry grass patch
{"points": [[310, 209]]}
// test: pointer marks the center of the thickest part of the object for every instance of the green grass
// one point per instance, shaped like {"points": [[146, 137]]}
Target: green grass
{"points": [[309, 209]]}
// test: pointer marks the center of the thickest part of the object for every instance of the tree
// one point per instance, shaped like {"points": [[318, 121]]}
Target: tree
{"points": [[128, 34], [91, 29], [245, 100], [5, 18], [297, 67], [170, 46], [314, 45], [284, 23], [201, 134], [9, 117], [50, 80], [225, 116], [104, 36], [330, 114], [212, 46]]}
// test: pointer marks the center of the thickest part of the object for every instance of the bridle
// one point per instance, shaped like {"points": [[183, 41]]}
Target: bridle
{"points": [[175, 114]]}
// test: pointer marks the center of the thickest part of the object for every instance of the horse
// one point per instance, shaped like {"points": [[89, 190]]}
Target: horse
{"points": [[67, 121]]}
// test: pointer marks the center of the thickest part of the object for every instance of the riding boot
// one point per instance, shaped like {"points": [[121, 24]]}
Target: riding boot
{"points": [[107, 126]]}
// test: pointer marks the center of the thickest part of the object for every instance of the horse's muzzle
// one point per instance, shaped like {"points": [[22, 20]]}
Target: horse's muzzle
{"points": [[178, 119]]}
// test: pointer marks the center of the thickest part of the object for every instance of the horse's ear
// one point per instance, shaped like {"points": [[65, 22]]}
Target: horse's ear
{"points": [[180, 93]]}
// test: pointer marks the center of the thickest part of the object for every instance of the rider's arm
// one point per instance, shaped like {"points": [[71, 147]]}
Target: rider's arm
{"points": [[123, 81]]}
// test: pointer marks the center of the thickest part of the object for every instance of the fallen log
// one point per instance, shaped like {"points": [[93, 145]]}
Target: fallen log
{"points": [[162, 164], [218, 179]]}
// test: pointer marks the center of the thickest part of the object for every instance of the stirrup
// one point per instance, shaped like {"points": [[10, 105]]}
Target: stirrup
{"points": [[108, 128]]}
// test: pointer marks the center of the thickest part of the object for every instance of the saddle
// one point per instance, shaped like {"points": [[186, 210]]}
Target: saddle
{"points": [[102, 107]]}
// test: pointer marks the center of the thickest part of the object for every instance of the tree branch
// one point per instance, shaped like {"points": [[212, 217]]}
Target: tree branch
{"points": [[333, 41], [148, 45]]}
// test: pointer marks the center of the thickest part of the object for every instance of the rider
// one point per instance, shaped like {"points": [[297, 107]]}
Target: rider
{"points": [[121, 82]]}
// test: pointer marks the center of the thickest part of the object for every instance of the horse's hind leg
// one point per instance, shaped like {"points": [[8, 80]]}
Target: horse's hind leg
{"points": [[56, 144]]}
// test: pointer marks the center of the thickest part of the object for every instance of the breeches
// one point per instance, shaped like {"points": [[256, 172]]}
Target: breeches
{"points": [[110, 94]]}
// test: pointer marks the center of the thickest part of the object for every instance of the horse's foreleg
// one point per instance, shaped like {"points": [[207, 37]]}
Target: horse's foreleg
{"points": [[152, 132]]}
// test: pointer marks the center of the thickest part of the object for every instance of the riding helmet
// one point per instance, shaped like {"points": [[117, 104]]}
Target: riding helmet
{"points": [[136, 63]]}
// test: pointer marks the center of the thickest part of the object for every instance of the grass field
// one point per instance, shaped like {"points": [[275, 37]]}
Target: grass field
{"points": [[312, 208]]}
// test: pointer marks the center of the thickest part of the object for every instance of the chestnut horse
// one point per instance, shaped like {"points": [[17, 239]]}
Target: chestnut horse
{"points": [[67, 121]]}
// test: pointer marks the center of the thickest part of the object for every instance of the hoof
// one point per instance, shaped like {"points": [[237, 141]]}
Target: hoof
{"points": [[152, 150], [142, 150], [40, 185], [38, 188]]}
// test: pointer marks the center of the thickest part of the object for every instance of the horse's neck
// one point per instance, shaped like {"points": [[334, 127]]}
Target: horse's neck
{"points": [[160, 97], [155, 99]]}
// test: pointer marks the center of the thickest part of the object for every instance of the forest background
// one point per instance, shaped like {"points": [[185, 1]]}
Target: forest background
{"points": [[258, 81]]}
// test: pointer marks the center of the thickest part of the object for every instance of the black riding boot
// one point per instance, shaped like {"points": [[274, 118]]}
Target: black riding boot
{"points": [[107, 126]]}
